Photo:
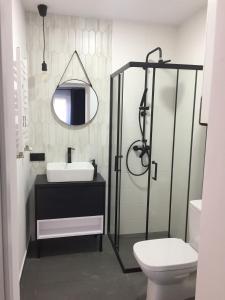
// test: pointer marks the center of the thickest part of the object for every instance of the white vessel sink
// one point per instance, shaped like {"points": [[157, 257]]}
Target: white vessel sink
{"points": [[64, 172]]}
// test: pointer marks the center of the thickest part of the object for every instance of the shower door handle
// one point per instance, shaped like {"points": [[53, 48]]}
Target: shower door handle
{"points": [[200, 115], [156, 170], [116, 166]]}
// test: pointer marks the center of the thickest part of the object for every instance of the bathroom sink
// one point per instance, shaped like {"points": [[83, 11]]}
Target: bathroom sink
{"points": [[64, 172]]}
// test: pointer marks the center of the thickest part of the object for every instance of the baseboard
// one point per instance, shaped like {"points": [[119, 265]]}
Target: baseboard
{"points": [[22, 265]]}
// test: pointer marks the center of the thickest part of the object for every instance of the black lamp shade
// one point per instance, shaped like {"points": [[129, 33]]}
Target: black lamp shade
{"points": [[42, 8], [44, 66]]}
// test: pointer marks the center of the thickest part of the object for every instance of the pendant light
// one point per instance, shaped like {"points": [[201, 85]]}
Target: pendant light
{"points": [[42, 9]]}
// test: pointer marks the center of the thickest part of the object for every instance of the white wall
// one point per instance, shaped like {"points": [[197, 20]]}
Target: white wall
{"points": [[19, 28], [23, 165], [8, 155], [190, 43], [211, 271], [132, 41], [210, 35], [182, 44]]}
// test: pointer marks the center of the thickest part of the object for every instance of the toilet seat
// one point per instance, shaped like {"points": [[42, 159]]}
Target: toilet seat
{"points": [[165, 254]]}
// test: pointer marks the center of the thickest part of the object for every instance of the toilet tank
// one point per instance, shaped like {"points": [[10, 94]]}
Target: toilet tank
{"points": [[195, 208]]}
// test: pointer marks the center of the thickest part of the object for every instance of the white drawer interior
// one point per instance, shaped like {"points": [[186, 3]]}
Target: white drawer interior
{"points": [[56, 228]]}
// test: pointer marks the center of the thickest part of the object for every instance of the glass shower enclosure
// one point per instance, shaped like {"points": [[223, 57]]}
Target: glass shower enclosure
{"points": [[155, 203]]}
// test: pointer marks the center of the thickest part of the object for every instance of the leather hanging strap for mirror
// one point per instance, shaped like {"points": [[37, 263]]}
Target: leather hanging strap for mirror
{"points": [[81, 64]]}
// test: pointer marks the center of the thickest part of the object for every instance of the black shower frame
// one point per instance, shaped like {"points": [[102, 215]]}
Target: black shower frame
{"points": [[120, 74]]}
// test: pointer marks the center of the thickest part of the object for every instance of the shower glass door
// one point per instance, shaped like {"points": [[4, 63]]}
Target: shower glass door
{"points": [[155, 204], [115, 157], [163, 107], [189, 151], [133, 189]]}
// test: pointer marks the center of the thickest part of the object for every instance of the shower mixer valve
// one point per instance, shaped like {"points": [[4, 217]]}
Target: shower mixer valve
{"points": [[144, 149], [143, 110]]}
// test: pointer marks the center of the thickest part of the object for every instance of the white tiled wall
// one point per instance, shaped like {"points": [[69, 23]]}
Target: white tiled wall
{"points": [[92, 39]]}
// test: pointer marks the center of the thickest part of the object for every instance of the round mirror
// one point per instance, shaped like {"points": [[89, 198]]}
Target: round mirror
{"points": [[75, 102]]}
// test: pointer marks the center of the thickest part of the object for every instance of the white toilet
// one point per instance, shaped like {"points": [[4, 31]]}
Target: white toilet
{"points": [[171, 264]]}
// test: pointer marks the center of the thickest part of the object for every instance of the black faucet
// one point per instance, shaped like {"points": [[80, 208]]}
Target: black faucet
{"points": [[69, 152]]}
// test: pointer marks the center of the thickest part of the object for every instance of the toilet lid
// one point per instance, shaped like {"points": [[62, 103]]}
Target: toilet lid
{"points": [[165, 254]]}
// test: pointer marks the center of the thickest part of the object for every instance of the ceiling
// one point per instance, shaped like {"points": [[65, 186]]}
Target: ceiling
{"points": [[171, 12]]}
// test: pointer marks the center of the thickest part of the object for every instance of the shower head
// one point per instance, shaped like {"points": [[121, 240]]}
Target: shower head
{"points": [[161, 61], [153, 51]]}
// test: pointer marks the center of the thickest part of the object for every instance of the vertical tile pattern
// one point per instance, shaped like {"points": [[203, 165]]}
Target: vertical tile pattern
{"points": [[92, 39]]}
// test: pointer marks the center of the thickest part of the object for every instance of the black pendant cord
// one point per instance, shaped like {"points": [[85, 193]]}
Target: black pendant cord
{"points": [[81, 64], [42, 9], [44, 39]]}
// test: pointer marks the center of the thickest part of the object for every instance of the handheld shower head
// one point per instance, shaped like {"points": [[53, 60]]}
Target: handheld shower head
{"points": [[143, 99]]}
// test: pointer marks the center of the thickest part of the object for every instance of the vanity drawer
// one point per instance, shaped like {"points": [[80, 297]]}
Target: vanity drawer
{"points": [[68, 227], [70, 201]]}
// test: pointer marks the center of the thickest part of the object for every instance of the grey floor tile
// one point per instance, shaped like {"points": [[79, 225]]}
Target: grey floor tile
{"points": [[80, 276]]}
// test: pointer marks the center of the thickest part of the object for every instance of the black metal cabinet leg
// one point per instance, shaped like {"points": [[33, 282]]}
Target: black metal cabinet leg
{"points": [[38, 249], [100, 242]]}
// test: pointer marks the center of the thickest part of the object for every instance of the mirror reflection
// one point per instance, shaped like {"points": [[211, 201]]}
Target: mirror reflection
{"points": [[75, 102]]}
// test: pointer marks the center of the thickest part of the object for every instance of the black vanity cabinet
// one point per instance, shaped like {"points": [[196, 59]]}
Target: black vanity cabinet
{"points": [[67, 209]]}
